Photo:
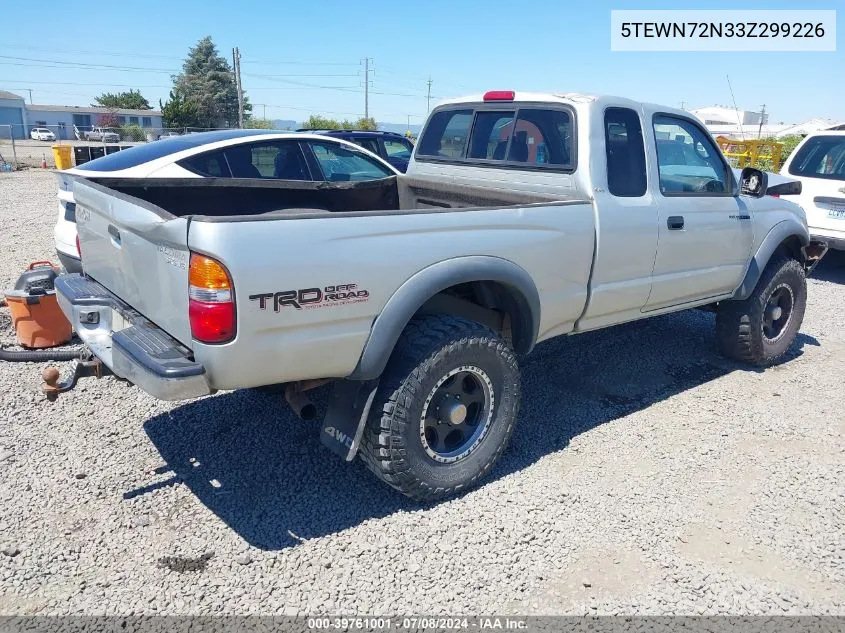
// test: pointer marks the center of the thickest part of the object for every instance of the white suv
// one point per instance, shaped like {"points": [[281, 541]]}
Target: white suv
{"points": [[819, 163]]}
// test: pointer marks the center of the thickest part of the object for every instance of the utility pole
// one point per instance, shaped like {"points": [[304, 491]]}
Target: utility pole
{"points": [[762, 118], [428, 98], [367, 87], [683, 103], [30, 95], [236, 64]]}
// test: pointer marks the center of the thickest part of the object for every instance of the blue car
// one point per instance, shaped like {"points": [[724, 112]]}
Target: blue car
{"points": [[390, 146]]}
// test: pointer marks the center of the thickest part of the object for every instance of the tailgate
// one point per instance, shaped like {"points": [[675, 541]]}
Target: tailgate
{"points": [[138, 251]]}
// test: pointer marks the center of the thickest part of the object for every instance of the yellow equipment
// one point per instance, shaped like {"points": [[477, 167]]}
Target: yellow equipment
{"points": [[745, 153]]}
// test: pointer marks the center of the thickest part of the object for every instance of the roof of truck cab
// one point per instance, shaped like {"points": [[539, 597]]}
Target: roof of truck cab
{"points": [[576, 99]]}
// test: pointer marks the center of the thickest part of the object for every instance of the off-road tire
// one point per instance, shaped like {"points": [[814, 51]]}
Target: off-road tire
{"points": [[429, 348], [739, 324]]}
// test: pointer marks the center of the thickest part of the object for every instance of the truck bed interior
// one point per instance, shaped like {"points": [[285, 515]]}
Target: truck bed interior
{"points": [[231, 199]]}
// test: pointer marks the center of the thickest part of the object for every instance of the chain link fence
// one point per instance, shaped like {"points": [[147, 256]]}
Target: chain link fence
{"points": [[31, 146]]}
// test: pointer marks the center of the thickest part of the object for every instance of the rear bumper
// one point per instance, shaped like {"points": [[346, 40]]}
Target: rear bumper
{"points": [[128, 343]]}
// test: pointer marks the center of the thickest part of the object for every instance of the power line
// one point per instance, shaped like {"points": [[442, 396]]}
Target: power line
{"points": [[299, 63], [77, 83], [41, 49], [110, 53], [84, 64]]}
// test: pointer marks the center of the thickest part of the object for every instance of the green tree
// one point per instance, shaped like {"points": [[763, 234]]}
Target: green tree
{"points": [[368, 123], [178, 113], [258, 124], [789, 145], [318, 122], [208, 84], [132, 100]]}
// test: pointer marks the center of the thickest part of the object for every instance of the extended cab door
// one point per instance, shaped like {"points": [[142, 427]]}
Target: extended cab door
{"points": [[626, 241], [705, 231]]}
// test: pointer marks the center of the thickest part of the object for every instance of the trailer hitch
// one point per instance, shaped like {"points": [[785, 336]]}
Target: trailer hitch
{"points": [[80, 368]]}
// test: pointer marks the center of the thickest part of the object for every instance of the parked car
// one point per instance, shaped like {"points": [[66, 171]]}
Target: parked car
{"points": [[392, 147], [260, 154], [164, 135], [818, 162], [100, 134], [42, 134], [522, 217]]}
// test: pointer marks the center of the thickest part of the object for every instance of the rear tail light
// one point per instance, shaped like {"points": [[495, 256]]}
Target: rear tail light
{"points": [[78, 247], [775, 195], [211, 306]]}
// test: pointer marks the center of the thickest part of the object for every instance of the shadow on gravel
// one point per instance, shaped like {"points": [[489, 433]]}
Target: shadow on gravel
{"points": [[831, 268], [264, 472]]}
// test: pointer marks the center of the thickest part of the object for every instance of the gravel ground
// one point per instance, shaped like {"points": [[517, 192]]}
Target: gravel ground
{"points": [[647, 475]]}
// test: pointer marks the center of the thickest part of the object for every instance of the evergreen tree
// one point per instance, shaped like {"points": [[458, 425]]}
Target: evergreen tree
{"points": [[207, 83]]}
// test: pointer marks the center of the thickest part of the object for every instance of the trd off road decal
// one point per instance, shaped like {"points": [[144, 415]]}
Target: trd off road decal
{"points": [[310, 298]]}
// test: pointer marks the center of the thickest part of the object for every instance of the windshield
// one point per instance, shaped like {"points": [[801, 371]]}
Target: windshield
{"points": [[820, 157], [151, 151]]}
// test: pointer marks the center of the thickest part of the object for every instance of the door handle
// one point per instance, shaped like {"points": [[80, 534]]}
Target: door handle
{"points": [[115, 235], [675, 222]]}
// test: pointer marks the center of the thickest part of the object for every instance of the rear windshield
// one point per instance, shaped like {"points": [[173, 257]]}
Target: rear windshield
{"points": [[820, 157], [141, 154], [529, 136]]}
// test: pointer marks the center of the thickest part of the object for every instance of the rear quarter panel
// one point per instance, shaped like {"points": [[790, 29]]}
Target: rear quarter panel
{"points": [[377, 253]]}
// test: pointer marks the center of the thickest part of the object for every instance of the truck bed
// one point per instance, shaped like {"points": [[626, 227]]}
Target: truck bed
{"points": [[378, 238], [227, 198]]}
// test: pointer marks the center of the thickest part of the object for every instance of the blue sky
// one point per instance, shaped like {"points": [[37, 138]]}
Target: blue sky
{"points": [[465, 46]]}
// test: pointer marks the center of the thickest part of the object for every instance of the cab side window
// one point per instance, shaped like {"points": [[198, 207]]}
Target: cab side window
{"points": [[340, 163], [209, 164], [396, 148], [625, 150], [688, 160]]}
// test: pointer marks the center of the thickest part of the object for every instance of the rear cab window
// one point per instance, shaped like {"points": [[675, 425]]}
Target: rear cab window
{"points": [[517, 135]]}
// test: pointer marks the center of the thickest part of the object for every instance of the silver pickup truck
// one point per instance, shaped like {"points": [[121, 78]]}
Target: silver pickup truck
{"points": [[521, 217]]}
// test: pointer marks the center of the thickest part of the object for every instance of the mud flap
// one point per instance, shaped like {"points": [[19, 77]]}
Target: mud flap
{"points": [[346, 417], [813, 254]]}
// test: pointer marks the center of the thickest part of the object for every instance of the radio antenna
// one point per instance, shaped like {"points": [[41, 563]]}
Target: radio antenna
{"points": [[738, 118]]}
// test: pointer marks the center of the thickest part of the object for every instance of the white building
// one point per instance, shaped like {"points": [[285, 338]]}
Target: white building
{"points": [[745, 124], [720, 115], [18, 118]]}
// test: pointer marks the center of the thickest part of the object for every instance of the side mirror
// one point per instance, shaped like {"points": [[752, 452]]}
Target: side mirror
{"points": [[785, 189], [753, 182]]}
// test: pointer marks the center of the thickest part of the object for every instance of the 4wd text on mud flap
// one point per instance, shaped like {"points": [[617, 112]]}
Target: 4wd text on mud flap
{"points": [[340, 436], [340, 294]]}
